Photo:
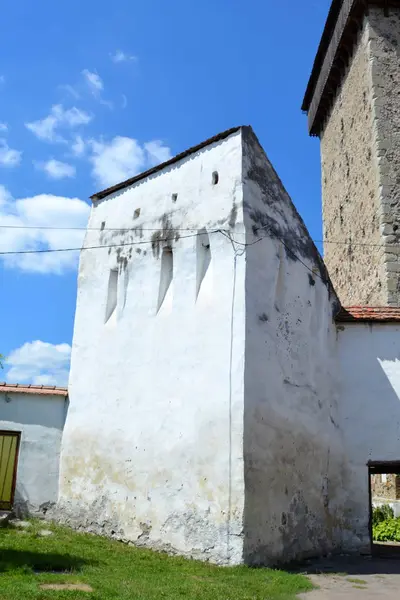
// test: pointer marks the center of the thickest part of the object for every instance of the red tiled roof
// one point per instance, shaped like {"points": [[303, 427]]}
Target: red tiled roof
{"points": [[27, 388], [368, 313]]}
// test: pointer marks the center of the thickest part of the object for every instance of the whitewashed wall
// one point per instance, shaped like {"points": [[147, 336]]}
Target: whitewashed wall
{"points": [[369, 368], [152, 449], [207, 427], [294, 460], [40, 419]]}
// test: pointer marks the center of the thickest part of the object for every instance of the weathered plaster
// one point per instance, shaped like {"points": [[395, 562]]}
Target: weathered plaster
{"points": [[369, 411], [152, 450], [294, 462], [194, 424], [40, 419]]}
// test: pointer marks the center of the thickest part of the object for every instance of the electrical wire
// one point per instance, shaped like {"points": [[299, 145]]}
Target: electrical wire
{"points": [[122, 229], [139, 228], [167, 239], [50, 250]]}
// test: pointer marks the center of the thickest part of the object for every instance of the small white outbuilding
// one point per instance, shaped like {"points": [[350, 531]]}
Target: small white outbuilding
{"points": [[32, 419]]}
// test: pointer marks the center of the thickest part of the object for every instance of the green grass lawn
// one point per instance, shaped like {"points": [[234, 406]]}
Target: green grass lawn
{"points": [[115, 570]]}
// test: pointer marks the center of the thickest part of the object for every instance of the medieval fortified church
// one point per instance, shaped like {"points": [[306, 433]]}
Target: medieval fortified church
{"points": [[225, 402]]}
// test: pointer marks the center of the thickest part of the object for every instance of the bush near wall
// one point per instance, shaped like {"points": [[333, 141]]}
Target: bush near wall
{"points": [[382, 513], [385, 528], [387, 531]]}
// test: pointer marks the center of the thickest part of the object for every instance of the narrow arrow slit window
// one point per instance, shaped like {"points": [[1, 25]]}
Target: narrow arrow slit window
{"points": [[166, 275], [112, 294]]}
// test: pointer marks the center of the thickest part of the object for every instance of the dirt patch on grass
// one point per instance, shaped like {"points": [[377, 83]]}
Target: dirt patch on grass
{"points": [[81, 587]]}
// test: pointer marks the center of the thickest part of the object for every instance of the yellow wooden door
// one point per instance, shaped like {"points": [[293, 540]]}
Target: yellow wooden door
{"points": [[9, 445]]}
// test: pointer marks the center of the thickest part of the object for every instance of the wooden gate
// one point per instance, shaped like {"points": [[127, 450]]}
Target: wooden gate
{"points": [[9, 446]]}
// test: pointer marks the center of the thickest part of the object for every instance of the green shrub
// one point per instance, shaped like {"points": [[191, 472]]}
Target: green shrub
{"points": [[387, 531], [382, 513]]}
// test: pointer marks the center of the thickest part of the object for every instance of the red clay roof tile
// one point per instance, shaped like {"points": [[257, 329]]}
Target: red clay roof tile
{"points": [[27, 388], [368, 313]]}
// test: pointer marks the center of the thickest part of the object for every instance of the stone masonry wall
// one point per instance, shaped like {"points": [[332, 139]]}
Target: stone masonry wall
{"points": [[350, 188], [387, 487], [384, 32]]}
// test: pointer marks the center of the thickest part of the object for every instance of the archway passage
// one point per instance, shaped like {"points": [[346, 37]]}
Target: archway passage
{"points": [[384, 508]]}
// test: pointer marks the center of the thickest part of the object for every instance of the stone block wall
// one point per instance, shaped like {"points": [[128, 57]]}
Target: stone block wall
{"points": [[350, 185], [360, 148], [385, 486], [384, 35]]}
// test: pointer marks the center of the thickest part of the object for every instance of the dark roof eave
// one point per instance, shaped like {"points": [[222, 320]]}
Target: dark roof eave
{"points": [[124, 184], [344, 21], [328, 70], [322, 49]]}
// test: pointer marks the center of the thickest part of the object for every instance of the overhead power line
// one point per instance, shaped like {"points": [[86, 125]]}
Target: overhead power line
{"points": [[135, 230], [122, 229], [224, 233], [49, 250], [139, 228]]}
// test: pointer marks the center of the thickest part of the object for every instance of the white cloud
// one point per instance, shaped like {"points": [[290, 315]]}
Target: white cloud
{"points": [[107, 103], [56, 169], [117, 160], [44, 210], [78, 146], [8, 156], [39, 363], [73, 117], [124, 101], [94, 81], [120, 56], [124, 157], [3, 127], [5, 195], [47, 129], [157, 152], [71, 90], [96, 86]]}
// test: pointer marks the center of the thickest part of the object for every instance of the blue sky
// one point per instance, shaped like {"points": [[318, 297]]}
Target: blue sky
{"points": [[91, 92]]}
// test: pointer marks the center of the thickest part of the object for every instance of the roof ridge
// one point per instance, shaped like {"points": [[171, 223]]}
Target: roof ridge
{"points": [[123, 184], [34, 385], [31, 388]]}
